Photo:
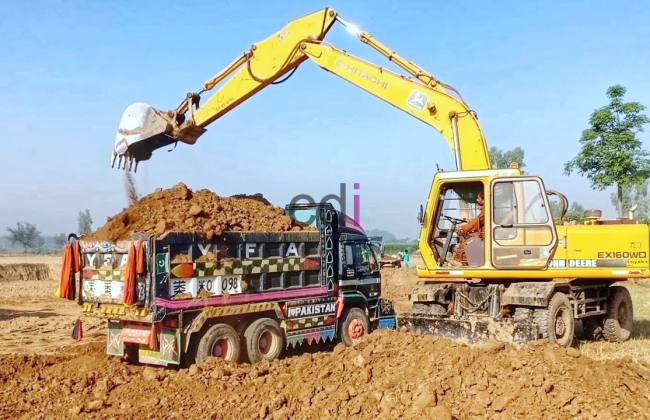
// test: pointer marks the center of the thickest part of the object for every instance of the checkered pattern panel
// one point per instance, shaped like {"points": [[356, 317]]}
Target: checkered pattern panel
{"points": [[252, 266], [99, 274]]}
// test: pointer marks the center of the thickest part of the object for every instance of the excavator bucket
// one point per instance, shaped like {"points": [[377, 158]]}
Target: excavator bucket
{"points": [[142, 130], [470, 330]]}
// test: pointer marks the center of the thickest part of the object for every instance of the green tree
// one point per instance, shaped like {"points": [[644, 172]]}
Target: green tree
{"points": [[25, 234], [501, 159], [85, 222], [575, 212], [611, 153], [636, 194]]}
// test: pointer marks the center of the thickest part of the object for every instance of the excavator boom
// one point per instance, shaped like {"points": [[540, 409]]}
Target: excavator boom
{"points": [[144, 129]]}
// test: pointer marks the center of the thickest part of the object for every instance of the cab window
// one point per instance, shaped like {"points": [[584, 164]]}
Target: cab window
{"points": [[361, 256]]}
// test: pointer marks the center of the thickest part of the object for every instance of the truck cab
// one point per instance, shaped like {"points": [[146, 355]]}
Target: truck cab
{"points": [[358, 265]]}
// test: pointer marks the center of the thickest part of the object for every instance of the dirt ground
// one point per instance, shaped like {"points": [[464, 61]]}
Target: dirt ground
{"points": [[46, 374]]}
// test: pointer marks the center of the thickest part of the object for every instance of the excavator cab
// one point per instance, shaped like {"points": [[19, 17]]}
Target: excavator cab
{"points": [[516, 230]]}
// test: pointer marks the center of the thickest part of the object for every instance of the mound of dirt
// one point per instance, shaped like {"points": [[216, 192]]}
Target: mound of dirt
{"points": [[203, 212], [25, 272], [387, 376], [397, 284]]}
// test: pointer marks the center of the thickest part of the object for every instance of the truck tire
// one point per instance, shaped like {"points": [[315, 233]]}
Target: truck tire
{"points": [[620, 315], [220, 341], [354, 325], [556, 323], [264, 340]]}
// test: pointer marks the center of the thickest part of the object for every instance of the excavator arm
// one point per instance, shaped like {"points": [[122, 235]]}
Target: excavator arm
{"points": [[144, 129]]}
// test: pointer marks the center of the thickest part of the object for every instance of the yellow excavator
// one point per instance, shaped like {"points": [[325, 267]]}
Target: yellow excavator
{"points": [[512, 273]]}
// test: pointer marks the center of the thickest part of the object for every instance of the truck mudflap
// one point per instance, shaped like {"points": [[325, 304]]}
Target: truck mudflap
{"points": [[472, 330], [385, 315], [165, 351]]}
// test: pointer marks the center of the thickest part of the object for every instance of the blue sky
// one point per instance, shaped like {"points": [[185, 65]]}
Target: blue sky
{"points": [[533, 71]]}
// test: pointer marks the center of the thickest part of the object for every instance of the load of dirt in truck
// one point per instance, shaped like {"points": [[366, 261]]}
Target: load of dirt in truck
{"points": [[202, 212], [388, 375]]}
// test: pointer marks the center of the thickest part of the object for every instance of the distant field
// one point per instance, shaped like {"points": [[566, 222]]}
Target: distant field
{"points": [[397, 247]]}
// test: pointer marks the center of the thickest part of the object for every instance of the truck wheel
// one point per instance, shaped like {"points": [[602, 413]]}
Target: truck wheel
{"points": [[620, 315], [220, 341], [264, 340], [557, 323], [355, 325]]}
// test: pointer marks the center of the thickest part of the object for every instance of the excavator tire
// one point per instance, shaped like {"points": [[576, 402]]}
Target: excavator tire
{"points": [[620, 315], [556, 323]]}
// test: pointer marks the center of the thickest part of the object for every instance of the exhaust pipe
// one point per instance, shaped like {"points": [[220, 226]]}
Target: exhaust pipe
{"points": [[630, 213]]}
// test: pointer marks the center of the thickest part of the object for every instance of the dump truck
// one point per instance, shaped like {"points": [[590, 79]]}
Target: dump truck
{"points": [[514, 266], [240, 296]]}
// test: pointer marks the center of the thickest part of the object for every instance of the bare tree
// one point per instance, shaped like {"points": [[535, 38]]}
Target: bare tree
{"points": [[25, 234]]}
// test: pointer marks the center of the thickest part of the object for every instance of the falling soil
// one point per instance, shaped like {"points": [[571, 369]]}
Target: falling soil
{"points": [[389, 375], [202, 212], [131, 189]]}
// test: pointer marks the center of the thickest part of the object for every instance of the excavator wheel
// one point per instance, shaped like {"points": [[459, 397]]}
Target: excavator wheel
{"points": [[620, 314], [556, 323]]}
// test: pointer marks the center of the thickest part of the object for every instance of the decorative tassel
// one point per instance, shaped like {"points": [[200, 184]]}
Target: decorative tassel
{"points": [[153, 337], [129, 277], [70, 265], [66, 271], [77, 330]]}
